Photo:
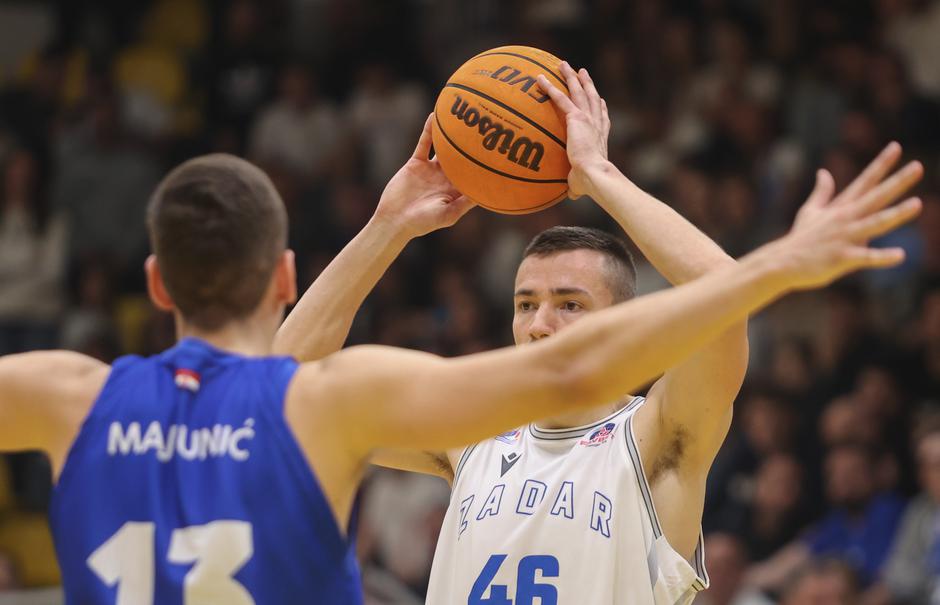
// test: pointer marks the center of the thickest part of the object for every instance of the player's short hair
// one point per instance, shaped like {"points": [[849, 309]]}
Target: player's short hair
{"points": [[622, 268], [217, 226]]}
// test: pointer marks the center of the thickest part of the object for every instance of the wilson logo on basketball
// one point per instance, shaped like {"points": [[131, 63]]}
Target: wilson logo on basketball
{"points": [[496, 137]]}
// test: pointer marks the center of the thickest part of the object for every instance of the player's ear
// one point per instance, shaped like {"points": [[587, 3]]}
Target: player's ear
{"points": [[285, 278], [155, 286]]}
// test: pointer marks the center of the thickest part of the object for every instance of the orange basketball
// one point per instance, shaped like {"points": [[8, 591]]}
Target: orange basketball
{"points": [[499, 138]]}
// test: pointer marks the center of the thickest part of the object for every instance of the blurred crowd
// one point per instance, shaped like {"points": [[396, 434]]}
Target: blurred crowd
{"points": [[827, 490]]}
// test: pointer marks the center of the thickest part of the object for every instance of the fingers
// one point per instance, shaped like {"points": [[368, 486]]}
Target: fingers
{"points": [[459, 207], [822, 191], [891, 189], [559, 98], [877, 258], [593, 97], [606, 117], [423, 149], [886, 220], [574, 87], [874, 172]]}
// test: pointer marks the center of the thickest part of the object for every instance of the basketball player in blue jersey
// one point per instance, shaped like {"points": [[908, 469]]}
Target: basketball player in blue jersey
{"points": [[598, 505], [219, 472]]}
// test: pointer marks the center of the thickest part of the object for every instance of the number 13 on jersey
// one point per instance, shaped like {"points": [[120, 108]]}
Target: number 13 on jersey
{"points": [[527, 589], [216, 551]]}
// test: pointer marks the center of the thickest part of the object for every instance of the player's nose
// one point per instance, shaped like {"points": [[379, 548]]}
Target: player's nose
{"points": [[543, 324]]}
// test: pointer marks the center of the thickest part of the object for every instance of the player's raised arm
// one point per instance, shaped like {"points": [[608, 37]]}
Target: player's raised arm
{"points": [[419, 199], [698, 392], [675, 247], [392, 398], [44, 396]]}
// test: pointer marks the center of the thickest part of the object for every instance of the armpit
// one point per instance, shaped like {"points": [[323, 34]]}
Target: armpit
{"points": [[673, 450], [441, 465]]}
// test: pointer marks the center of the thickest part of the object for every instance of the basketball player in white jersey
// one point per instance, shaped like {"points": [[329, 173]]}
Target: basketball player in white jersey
{"points": [[598, 506]]}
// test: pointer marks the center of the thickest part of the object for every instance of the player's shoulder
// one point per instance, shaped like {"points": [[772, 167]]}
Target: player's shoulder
{"points": [[50, 393], [65, 373]]}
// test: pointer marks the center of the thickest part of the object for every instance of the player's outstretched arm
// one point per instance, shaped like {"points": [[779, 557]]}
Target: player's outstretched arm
{"points": [[394, 398], [698, 392], [44, 397], [419, 199]]}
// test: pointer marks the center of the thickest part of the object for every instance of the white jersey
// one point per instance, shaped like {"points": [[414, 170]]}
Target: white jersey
{"points": [[558, 517]]}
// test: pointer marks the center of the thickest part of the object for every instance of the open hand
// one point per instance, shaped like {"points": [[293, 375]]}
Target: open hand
{"points": [[419, 198], [831, 234], [587, 121]]}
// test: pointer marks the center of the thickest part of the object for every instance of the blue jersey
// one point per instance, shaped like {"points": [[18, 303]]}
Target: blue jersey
{"points": [[185, 486]]}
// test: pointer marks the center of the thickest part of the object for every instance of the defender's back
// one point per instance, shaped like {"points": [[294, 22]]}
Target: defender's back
{"points": [[186, 486]]}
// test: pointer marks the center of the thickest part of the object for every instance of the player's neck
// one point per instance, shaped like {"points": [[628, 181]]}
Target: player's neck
{"points": [[251, 338], [581, 417]]}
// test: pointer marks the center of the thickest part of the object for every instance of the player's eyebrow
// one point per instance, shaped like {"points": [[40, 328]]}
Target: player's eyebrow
{"points": [[554, 291], [569, 291]]}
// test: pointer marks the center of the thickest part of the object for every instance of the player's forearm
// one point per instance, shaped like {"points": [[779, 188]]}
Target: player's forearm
{"points": [[594, 361], [319, 324], [619, 349], [675, 247]]}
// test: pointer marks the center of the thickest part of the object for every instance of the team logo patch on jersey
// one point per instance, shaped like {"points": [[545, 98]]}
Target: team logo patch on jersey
{"points": [[510, 438], [187, 379], [601, 435]]}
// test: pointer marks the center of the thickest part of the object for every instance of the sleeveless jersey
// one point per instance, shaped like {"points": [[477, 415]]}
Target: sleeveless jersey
{"points": [[565, 516], [185, 486]]}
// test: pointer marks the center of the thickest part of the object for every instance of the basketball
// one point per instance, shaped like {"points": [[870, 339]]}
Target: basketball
{"points": [[500, 140]]}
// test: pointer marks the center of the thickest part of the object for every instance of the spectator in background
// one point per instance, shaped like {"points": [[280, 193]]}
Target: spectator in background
{"points": [[828, 582], [103, 183], [843, 421], [385, 112], [89, 326], [33, 241], [299, 130], [241, 68], [727, 562], [736, 215], [861, 524], [771, 511], [896, 109], [925, 365], [793, 368], [912, 571], [848, 339], [404, 512], [913, 29], [29, 109], [858, 529], [929, 225], [764, 427]]}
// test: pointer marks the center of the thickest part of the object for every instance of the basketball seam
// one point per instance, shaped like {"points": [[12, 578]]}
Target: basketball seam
{"points": [[528, 209], [530, 60], [493, 170], [483, 95]]}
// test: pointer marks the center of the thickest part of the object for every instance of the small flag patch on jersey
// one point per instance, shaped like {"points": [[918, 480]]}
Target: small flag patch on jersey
{"points": [[599, 436], [187, 379], [510, 437]]}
